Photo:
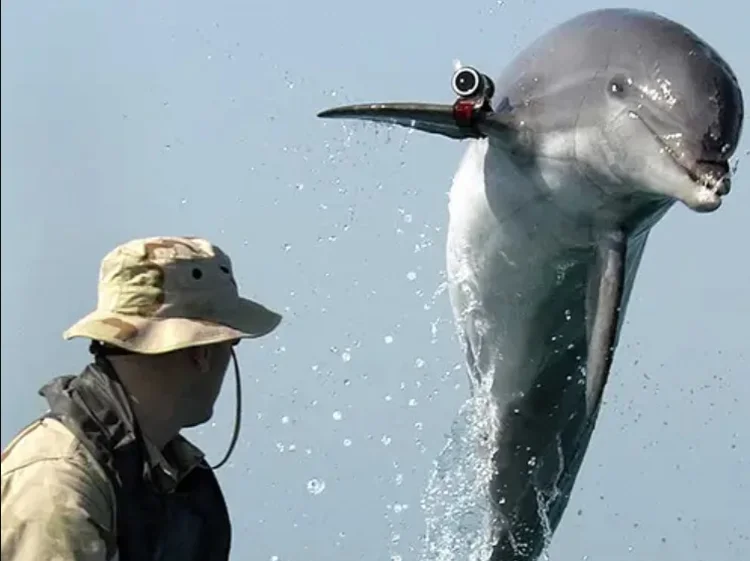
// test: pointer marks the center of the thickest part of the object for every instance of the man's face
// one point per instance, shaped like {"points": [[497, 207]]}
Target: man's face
{"points": [[204, 376]]}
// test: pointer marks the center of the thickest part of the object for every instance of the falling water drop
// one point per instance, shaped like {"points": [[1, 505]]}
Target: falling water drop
{"points": [[316, 486]]}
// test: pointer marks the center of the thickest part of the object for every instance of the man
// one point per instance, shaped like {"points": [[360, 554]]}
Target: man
{"points": [[104, 475]]}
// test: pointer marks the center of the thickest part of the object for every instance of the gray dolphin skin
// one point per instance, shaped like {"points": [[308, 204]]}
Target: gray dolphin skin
{"points": [[575, 152]]}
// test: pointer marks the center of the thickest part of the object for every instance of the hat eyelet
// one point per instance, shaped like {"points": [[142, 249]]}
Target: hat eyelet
{"points": [[197, 273]]}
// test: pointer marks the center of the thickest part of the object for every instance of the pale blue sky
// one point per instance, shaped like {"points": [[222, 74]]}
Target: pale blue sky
{"points": [[124, 120]]}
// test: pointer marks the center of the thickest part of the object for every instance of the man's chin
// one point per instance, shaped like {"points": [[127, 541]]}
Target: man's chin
{"points": [[198, 420]]}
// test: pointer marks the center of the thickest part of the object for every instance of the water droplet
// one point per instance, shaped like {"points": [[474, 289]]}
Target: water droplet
{"points": [[287, 246], [347, 442], [407, 218], [412, 402], [316, 486], [419, 363], [388, 339], [337, 416], [299, 186], [285, 420], [411, 275], [386, 440], [346, 356]]}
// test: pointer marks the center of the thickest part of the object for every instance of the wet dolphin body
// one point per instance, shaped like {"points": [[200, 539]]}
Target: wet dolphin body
{"points": [[592, 134]]}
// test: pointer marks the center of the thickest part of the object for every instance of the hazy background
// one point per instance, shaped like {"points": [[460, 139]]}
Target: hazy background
{"points": [[124, 120]]}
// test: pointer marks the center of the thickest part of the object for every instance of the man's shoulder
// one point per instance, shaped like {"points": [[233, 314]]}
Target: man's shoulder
{"points": [[48, 446], [44, 439], [55, 496], [47, 454]]}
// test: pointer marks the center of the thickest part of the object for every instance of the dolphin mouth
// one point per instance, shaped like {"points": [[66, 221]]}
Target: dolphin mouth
{"points": [[711, 175], [706, 174]]}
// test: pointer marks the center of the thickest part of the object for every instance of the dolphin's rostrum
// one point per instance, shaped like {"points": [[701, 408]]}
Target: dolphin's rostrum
{"points": [[575, 152]]}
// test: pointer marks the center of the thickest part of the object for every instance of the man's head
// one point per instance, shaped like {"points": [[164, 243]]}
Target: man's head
{"points": [[173, 304], [177, 389]]}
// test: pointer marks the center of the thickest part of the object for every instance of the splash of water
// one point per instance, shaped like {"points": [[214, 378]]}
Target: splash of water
{"points": [[463, 519], [459, 515]]}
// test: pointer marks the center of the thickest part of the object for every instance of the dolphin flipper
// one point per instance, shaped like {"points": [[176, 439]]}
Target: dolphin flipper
{"points": [[618, 260], [604, 311], [545, 493], [609, 296]]}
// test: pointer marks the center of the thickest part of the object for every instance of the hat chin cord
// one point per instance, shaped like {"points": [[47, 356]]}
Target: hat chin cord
{"points": [[237, 414]]}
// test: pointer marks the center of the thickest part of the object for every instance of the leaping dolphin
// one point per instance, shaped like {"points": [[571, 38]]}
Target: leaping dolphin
{"points": [[576, 151]]}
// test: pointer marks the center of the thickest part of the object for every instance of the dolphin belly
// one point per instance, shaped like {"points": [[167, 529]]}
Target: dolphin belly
{"points": [[520, 282], [526, 353]]}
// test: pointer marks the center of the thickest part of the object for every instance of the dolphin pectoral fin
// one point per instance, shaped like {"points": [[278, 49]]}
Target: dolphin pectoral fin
{"points": [[426, 117], [607, 295]]}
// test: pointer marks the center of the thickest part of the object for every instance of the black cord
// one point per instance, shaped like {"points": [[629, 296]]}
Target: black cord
{"points": [[238, 412]]}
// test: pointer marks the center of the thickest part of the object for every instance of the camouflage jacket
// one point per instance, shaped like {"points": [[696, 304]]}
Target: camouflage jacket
{"points": [[82, 484]]}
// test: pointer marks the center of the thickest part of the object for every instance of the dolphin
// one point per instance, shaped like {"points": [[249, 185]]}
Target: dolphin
{"points": [[580, 146]]}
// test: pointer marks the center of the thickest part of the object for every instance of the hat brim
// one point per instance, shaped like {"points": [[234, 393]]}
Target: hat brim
{"points": [[246, 319]]}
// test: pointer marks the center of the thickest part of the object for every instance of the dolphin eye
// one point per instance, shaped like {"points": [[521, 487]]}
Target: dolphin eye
{"points": [[618, 86]]}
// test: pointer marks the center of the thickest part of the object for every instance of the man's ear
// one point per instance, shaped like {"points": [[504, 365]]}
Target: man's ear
{"points": [[201, 357]]}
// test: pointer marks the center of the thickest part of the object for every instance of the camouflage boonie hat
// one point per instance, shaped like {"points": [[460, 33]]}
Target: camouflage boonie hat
{"points": [[161, 294]]}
